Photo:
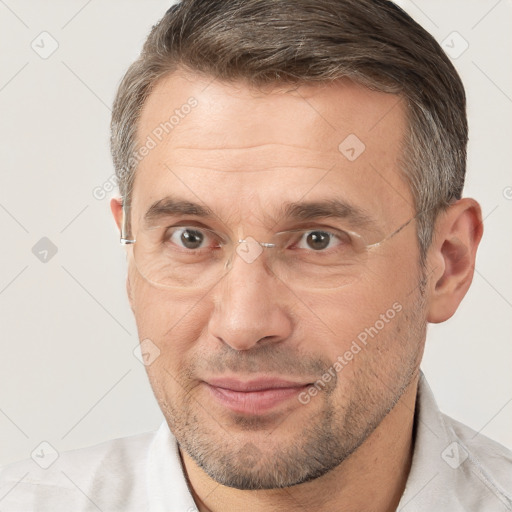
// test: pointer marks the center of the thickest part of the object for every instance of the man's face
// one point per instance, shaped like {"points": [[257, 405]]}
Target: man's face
{"points": [[245, 155]]}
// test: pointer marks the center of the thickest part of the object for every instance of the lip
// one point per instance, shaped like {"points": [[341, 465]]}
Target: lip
{"points": [[256, 396]]}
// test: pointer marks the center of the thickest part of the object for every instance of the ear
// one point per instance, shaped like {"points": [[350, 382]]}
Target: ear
{"points": [[452, 254], [116, 206]]}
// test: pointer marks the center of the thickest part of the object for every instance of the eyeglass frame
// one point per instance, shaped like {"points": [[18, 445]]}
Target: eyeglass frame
{"points": [[126, 237]]}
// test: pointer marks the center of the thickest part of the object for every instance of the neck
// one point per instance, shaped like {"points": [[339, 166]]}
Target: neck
{"points": [[373, 478]]}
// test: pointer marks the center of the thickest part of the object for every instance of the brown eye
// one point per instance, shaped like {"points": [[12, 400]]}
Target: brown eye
{"points": [[318, 240], [192, 239], [188, 238]]}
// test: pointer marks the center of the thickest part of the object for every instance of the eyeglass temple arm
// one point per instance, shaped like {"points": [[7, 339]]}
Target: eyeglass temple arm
{"points": [[397, 230]]}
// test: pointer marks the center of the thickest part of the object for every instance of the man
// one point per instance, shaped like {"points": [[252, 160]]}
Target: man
{"points": [[291, 176]]}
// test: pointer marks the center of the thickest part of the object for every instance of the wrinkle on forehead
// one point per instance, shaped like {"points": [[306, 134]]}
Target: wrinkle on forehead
{"points": [[252, 158], [222, 151]]}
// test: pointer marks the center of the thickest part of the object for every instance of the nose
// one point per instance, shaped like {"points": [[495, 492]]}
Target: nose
{"points": [[250, 306]]}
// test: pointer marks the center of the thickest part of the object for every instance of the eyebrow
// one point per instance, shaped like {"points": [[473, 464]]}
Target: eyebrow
{"points": [[303, 211], [330, 208], [169, 206]]}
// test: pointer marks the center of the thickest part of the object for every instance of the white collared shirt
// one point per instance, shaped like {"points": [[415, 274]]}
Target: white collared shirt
{"points": [[453, 469]]}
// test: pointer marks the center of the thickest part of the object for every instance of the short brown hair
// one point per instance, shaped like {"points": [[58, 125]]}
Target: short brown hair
{"points": [[259, 42]]}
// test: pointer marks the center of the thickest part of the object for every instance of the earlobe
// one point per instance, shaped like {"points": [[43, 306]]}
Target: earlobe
{"points": [[116, 206], [453, 252]]}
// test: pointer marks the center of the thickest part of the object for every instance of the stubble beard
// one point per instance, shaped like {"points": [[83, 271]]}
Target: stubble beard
{"points": [[252, 455]]}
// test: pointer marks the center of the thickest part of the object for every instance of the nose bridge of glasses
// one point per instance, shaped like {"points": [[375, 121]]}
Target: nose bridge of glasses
{"points": [[248, 249]]}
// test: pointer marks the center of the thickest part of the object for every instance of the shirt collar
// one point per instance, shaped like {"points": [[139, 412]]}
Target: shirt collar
{"points": [[447, 471], [166, 481], [430, 438]]}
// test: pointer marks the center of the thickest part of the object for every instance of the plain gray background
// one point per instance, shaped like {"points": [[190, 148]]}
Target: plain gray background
{"points": [[68, 374]]}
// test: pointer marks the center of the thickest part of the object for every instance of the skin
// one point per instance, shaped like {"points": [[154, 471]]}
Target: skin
{"points": [[243, 152]]}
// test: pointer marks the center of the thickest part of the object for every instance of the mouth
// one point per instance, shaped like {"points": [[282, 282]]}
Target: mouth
{"points": [[255, 396]]}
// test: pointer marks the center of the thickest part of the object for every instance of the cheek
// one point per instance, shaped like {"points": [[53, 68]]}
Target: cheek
{"points": [[173, 326], [370, 310], [172, 321]]}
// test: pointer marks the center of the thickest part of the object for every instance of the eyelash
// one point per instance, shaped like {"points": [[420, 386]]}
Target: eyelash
{"points": [[191, 228], [333, 232]]}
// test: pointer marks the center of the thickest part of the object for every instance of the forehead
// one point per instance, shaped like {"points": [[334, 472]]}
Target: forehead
{"points": [[232, 145]]}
